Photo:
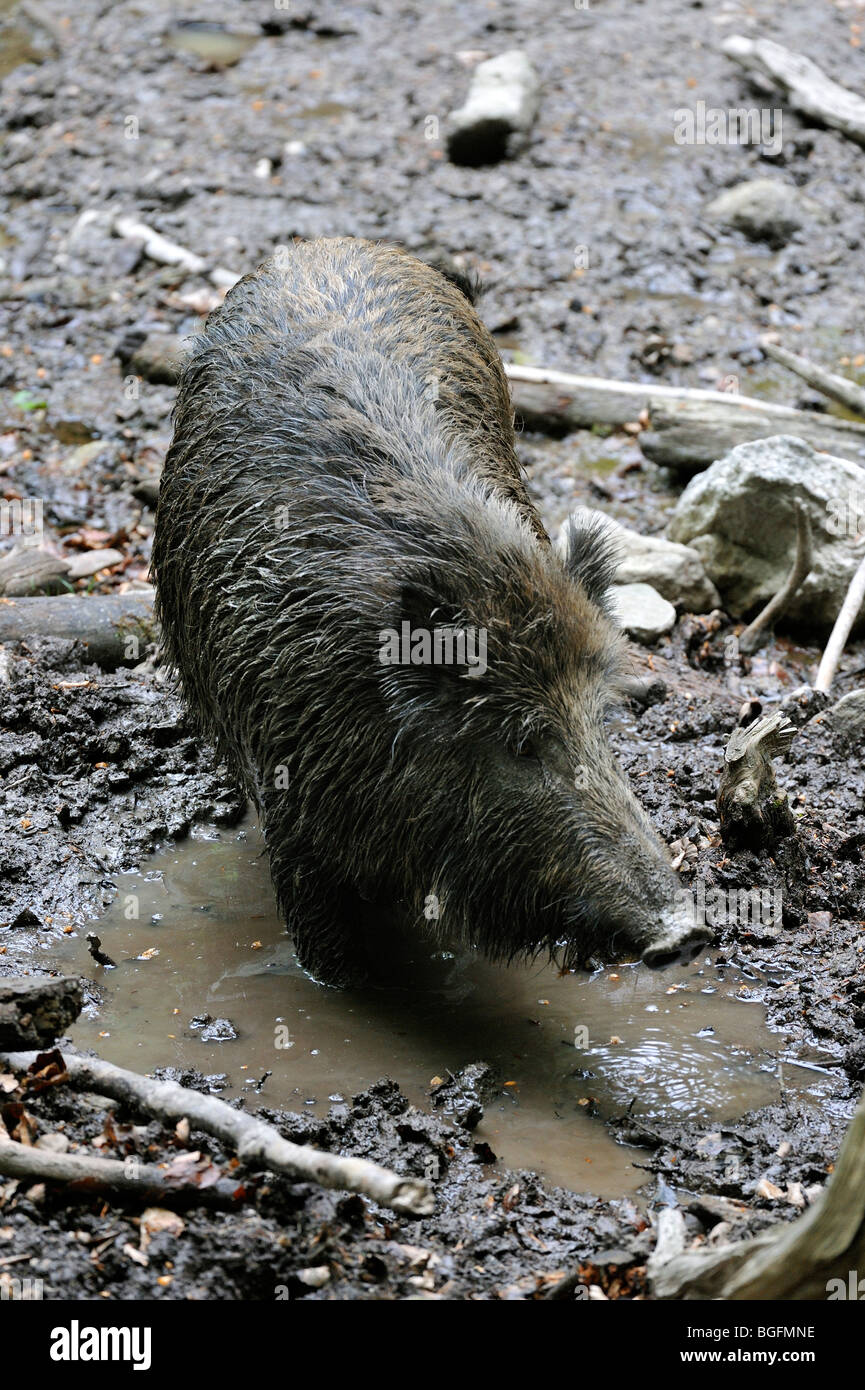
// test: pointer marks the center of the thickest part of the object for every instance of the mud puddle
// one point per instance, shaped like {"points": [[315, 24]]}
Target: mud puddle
{"points": [[199, 946]]}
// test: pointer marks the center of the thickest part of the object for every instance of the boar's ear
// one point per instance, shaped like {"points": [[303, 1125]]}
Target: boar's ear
{"points": [[428, 602], [432, 631], [592, 555]]}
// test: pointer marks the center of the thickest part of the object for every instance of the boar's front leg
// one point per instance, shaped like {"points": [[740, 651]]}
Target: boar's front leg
{"points": [[326, 920]]}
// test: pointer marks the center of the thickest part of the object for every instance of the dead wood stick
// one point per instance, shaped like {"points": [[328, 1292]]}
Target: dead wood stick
{"points": [[841, 631], [837, 388], [620, 401], [753, 811], [688, 427], [807, 88], [88, 1173], [798, 1260], [256, 1143], [756, 632], [159, 248], [114, 628], [690, 435]]}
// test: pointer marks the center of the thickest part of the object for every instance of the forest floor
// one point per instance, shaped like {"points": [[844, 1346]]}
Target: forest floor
{"points": [[321, 129]]}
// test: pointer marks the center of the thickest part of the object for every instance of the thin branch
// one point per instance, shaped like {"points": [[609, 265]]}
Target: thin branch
{"points": [[88, 1173], [841, 631], [159, 248], [255, 1142], [757, 632], [837, 388], [807, 87]]}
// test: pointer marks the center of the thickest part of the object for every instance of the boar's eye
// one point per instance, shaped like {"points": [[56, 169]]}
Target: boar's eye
{"points": [[528, 749]]}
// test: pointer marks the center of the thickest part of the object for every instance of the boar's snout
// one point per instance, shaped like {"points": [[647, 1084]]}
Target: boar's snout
{"points": [[679, 940]]}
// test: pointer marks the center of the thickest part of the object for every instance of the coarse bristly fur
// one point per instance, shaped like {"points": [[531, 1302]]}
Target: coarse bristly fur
{"points": [[343, 461]]}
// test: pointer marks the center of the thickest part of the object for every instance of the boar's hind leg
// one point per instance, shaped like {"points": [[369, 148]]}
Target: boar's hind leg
{"points": [[326, 921]]}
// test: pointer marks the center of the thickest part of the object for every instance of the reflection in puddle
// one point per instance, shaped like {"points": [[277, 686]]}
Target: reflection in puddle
{"points": [[207, 940]]}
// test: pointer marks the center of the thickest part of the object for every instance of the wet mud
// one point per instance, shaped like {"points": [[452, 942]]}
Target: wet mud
{"points": [[99, 771]]}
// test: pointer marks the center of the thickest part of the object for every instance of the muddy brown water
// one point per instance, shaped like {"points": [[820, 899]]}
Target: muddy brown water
{"points": [[207, 940]]}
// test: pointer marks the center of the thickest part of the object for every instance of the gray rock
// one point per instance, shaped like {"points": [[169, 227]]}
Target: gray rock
{"points": [[739, 516], [88, 562], [847, 717], [676, 571], [764, 209], [498, 113], [219, 1030], [642, 612], [32, 570]]}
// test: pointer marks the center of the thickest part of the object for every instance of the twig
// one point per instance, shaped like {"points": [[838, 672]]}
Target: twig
{"points": [[757, 631], [808, 89], [628, 398], [841, 631], [166, 252], [256, 1143], [837, 388], [87, 1172]]}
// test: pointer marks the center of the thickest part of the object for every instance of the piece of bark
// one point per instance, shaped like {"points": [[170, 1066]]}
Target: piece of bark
{"points": [[35, 1011], [256, 1143], [841, 631], [759, 631], [115, 628], [807, 88], [29, 569], [754, 812], [689, 435], [837, 388], [810, 1258]]}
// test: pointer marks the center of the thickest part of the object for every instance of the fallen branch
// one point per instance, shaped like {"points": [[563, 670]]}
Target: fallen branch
{"points": [[689, 427], [841, 631], [113, 627], [159, 248], [579, 402], [837, 388], [690, 435], [257, 1144], [808, 90], [757, 632], [795, 1261], [85, 1172], [753, 811]]}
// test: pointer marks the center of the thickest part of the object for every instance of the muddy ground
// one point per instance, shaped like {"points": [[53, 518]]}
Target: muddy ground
{"points": [[99, 768]]}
